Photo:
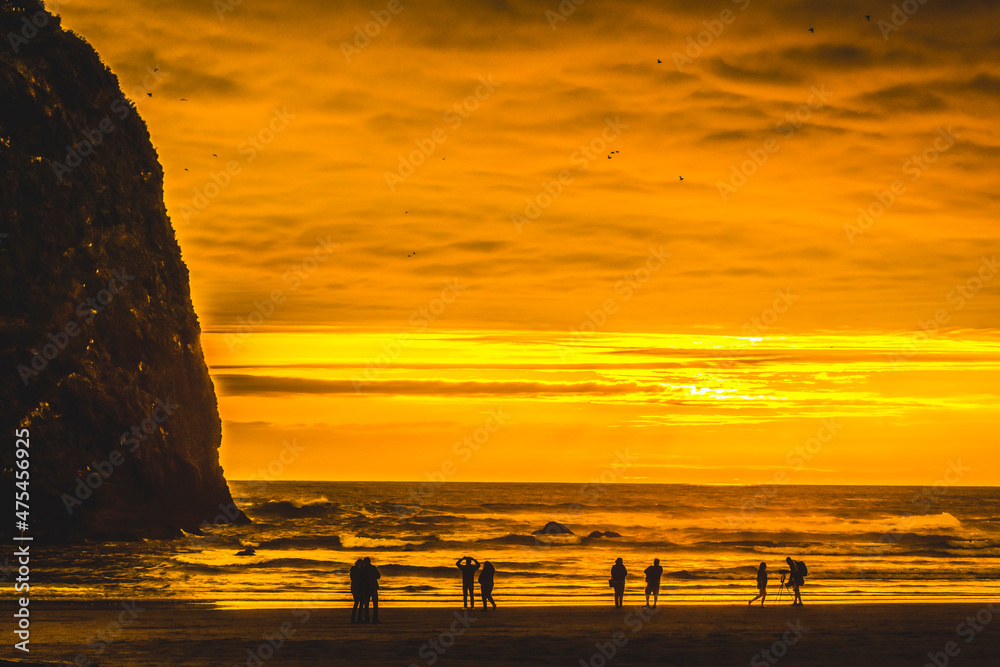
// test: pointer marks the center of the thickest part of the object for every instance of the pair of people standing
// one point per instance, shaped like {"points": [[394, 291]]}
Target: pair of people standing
{"points": [[796, 571], [468, 565], [364, 590], [653, 575]]}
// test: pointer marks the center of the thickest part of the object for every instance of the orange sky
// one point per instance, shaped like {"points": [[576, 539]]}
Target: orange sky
{"points": [[437, 206]]}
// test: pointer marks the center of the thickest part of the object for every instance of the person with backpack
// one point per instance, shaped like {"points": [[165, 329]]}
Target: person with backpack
{"points": [[796, 572], [653, 574], [761, 584]]}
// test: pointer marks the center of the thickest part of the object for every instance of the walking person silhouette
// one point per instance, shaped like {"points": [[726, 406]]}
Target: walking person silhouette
{"points": [[761, 584], [468, 569]]}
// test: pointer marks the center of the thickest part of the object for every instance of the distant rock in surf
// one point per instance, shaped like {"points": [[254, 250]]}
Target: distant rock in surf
{"points": [[607, 533], [554, 528]]}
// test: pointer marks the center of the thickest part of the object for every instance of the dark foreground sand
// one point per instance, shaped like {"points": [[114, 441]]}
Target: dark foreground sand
{"points": [[852, 635]]}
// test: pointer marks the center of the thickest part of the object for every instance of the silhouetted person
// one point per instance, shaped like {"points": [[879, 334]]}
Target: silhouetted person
{"points": [[357, 588], [486, 583], [761, 584], [795, 579], [370, 575], [653, 574], [618, 574], [468, 569]]}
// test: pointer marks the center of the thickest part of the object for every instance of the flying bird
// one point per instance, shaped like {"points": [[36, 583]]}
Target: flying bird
{"points": [[183, 99], [150, 94], [868, 17], [156, 69], [214, 155], [185, 168], [681, 177], [659, 61], [810, 29]]}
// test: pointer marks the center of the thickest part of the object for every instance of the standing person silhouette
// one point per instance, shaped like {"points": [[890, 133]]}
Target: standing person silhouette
{"points": [[371, 575], [761, 584], [468, 569], [653, 574], [357, 587], [795, 579], [618, 574], [486, 583]]}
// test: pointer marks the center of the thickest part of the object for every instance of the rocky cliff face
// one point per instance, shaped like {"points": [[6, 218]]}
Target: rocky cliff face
{"points": [[100, 356]]}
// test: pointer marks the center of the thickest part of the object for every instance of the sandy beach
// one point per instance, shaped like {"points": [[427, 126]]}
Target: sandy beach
{"points": [[155, 633]]}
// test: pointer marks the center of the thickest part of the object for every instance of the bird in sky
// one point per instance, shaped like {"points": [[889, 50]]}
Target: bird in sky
{"points": [[681, 177], [810, 29], [149, 94], [659, 61], [868, 17], [185, 168], [183, 99], [214, 155]]}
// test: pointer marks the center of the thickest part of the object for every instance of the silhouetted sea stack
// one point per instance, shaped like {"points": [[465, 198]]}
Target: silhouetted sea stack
{"points": [[99, 341], [553, 528]]}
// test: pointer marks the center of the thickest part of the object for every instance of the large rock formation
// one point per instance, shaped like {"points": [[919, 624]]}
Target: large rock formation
{"points": [[100, 356]]}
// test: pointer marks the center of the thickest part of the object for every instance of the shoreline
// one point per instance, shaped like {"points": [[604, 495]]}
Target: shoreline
{"points": [[153, 632]]}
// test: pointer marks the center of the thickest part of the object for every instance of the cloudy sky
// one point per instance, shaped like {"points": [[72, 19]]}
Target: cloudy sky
{"points": [[399, 216]]}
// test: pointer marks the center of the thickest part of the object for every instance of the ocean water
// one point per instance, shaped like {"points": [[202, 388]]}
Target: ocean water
{"points": [[860, 543]]}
